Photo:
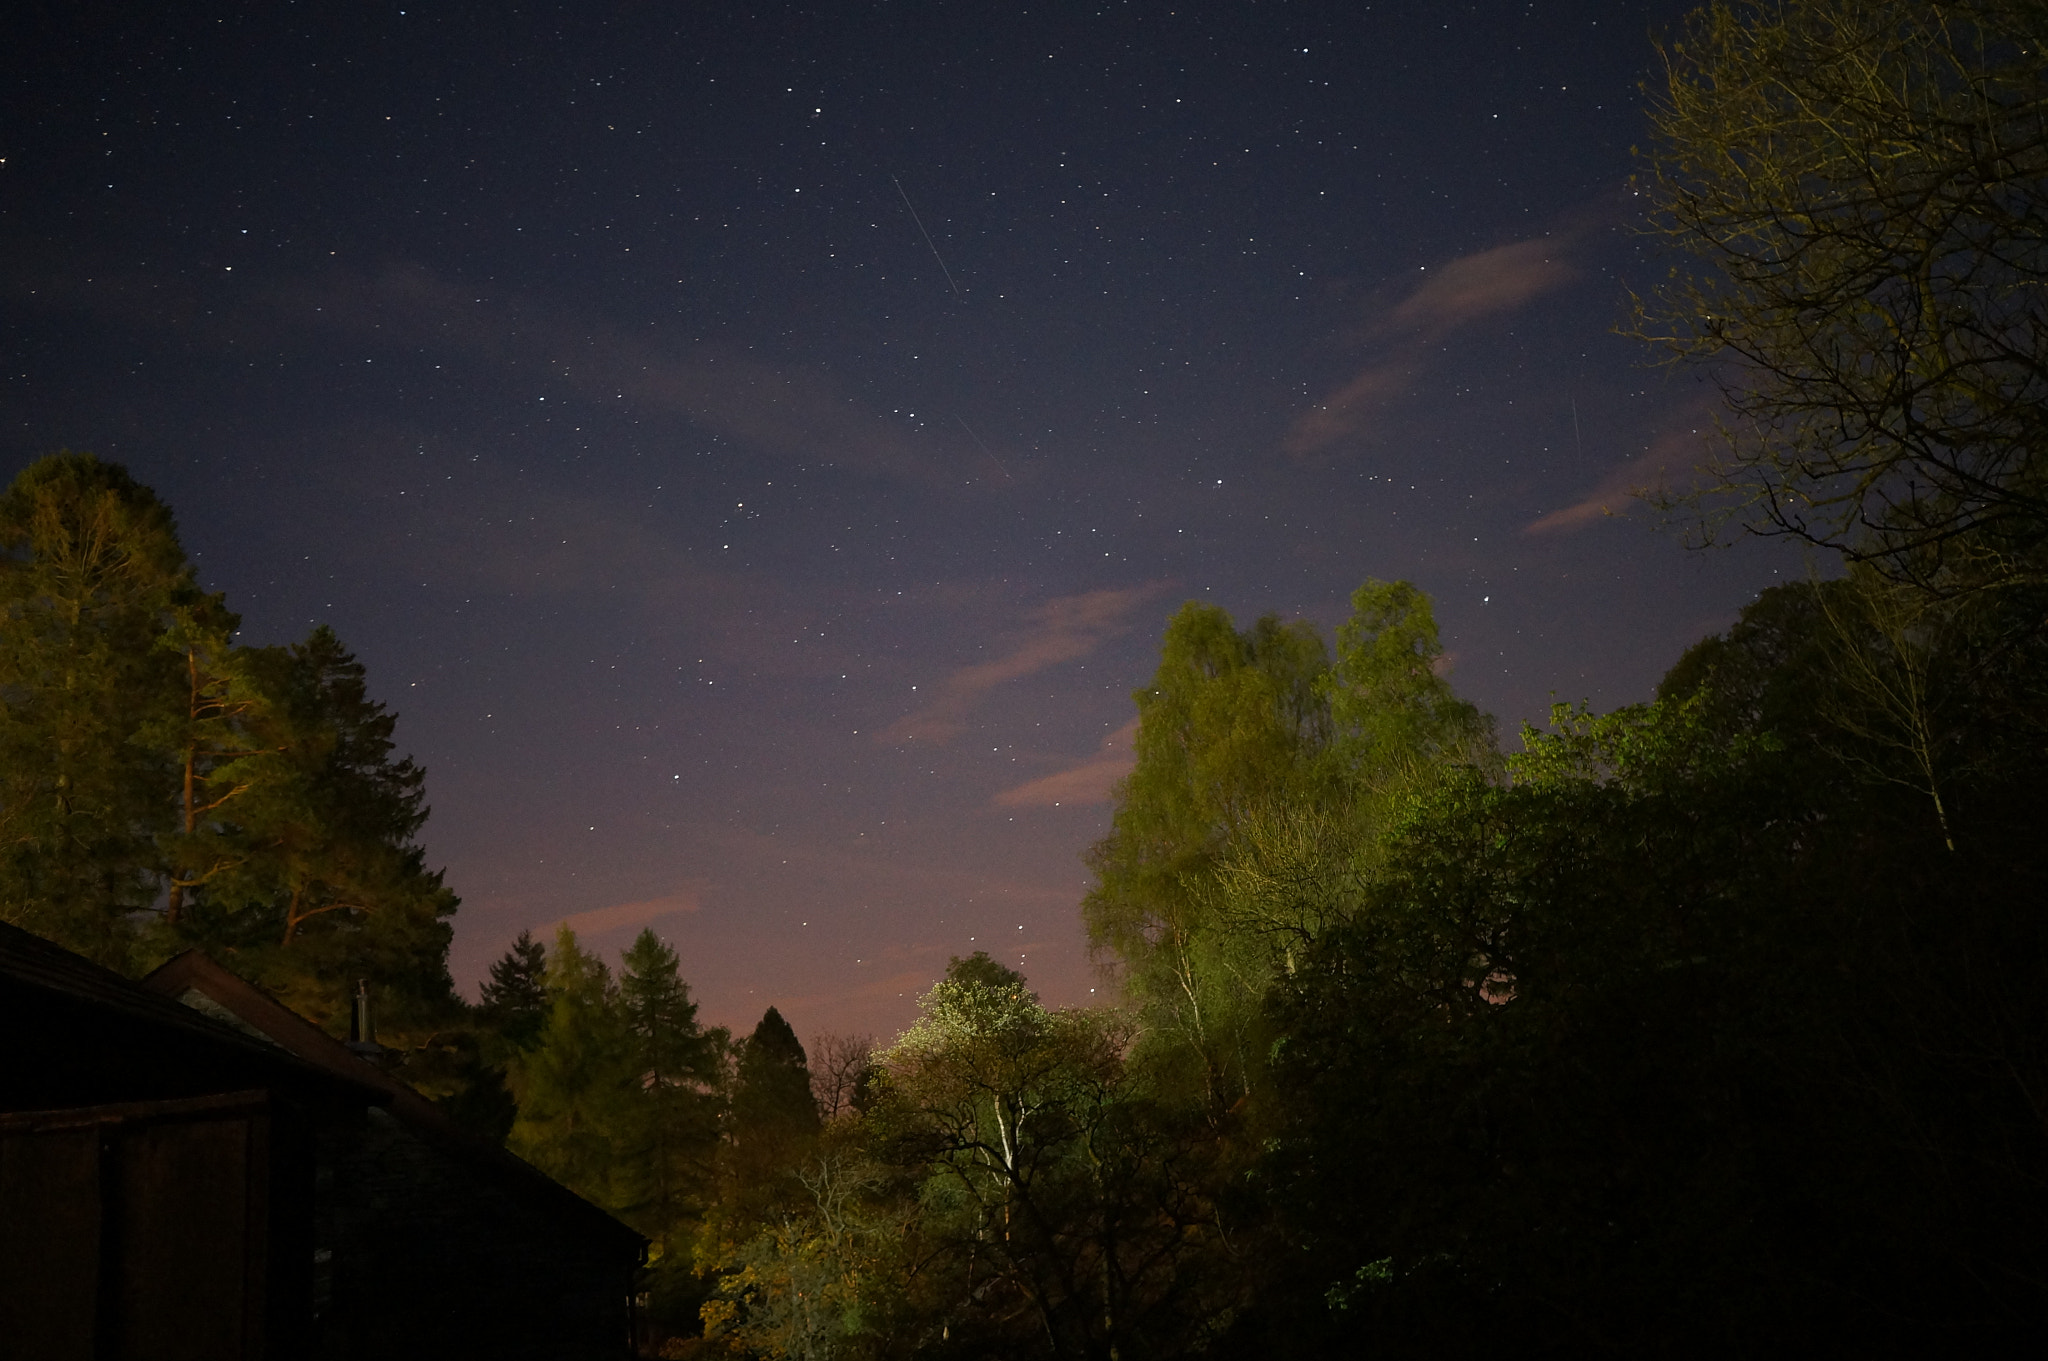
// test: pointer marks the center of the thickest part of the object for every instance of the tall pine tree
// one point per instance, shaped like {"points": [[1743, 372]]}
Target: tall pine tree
{"points": [[91, 577], [672, 1140], [514, 1001]]}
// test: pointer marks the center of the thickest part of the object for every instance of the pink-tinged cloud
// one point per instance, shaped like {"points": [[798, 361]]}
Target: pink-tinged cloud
{"points": [[1093, 781], [1669, 458], [600, 920], [1463, 291], [1061, 630], [1349, 409], [1474, 286]]}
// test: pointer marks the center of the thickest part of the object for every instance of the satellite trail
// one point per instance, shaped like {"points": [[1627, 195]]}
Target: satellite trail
{"points": [[927, 236]]}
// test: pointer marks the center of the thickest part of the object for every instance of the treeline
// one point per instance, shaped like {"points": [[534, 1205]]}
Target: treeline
{"points": [[1710, 1020]]}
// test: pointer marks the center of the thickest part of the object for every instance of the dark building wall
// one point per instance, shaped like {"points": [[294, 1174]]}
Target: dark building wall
{"points": [[168, 1230], [435, 1254]]}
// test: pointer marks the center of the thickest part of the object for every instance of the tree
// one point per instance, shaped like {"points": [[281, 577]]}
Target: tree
{"points": [[1688, 1032], [666, 1152], [332, 885], [828, 1278], [1233, 725], [1394, 716], [162, 785], [91, 576], [771, 1134], [673, 1140], [984, 971], [577, 1088], [1863, 189], [214, 738], [514, 1000], [773, 1112], [1891, 668], [1062, 1210], [1264, 772], [841, 1066]]}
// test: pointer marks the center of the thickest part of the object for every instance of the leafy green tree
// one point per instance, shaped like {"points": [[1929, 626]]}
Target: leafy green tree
{"points": [[1233, 725], [1505, 1083], [1394, 717], [1681, 1035], [830, 1278], [983, 971], [1062, 1211], [91, 577], [1860, 190], [1264, 769]]}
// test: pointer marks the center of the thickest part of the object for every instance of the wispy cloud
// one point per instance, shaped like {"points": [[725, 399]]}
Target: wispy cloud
{"points": [[793, 411], [1061, 630], [1400, 341], [1474, 286], [1669, 458], [601, 920], [1093, 781]]}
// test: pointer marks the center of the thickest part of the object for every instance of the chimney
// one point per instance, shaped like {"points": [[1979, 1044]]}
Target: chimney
{"points": [[362, 1030]]}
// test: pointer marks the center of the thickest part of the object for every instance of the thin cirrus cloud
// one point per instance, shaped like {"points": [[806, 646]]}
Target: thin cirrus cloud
{"points": [[791, 412], [600, 921], [1061, 630], [1669, 456], [1466, 290], [1091, 782]]}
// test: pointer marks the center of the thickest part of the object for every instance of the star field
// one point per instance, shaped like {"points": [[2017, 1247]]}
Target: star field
{"points": [[755, 449]]}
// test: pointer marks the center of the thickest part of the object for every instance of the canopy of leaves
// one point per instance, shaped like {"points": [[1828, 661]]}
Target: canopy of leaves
{"points": [[1863, 186], [1262, 764]]}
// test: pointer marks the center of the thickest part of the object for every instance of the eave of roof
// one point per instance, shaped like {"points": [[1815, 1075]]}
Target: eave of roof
{"points": [[35, 965], [195, 970]]}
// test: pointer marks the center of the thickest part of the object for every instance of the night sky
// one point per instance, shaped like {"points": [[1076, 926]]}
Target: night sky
{"points": [[756, 449]]}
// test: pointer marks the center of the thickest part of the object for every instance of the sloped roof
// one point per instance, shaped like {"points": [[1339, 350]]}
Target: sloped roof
{"points": [[194, 975], [95, 1028]]}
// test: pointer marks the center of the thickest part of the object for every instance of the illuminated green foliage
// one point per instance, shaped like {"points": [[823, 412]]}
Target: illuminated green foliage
{"points": [[91, 579]]}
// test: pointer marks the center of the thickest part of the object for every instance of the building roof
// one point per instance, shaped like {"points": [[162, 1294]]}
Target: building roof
{"points": [[200, 983], [80, 1034]]}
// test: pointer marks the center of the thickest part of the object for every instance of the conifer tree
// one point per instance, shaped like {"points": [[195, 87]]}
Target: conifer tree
{"points": [[577, 1087], [771, 1104], [672, 1140], [149, 762], [772, 1124], [91, 575], [214, 737], [515, 998], [333, 887]]}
